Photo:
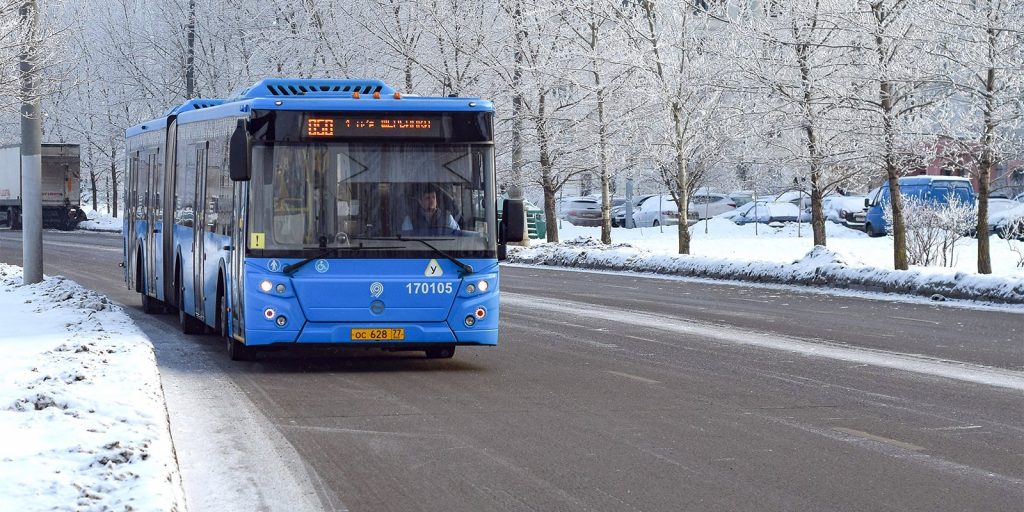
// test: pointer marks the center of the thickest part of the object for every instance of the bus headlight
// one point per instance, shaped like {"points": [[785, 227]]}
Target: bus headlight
{"points": [[470, 321], [281, 320], [266, 286], [482, 286]]}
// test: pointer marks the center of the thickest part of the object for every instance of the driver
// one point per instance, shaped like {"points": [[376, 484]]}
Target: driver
{"points": [[427, 217]]}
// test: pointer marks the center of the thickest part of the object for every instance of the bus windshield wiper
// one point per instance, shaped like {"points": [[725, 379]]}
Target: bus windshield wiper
{"points": [[327, 251], [466, 269], [291, 268]]}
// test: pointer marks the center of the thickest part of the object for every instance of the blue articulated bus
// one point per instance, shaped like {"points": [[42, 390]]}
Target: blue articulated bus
{"points": [[309, 211]]}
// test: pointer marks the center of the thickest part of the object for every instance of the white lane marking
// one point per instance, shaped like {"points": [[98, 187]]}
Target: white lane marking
{"points": [[70, 244], [879, 358], [880, 439], [891, 298], [634, 377], [917, 320]]}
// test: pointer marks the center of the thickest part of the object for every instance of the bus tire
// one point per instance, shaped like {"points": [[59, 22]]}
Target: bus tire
{"points": [[445, 352], [237, 351]]}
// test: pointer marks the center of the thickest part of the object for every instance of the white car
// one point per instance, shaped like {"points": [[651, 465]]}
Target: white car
{"points": [[709, 204], [767, 212], [836, 207], [660, 211]]}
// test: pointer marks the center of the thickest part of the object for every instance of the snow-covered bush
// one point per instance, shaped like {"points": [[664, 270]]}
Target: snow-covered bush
{"points": [[1014, 234], [933, 229]]}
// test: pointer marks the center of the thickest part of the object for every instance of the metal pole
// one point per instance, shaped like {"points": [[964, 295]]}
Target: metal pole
{"points": [[31, 151], [628, 207]]}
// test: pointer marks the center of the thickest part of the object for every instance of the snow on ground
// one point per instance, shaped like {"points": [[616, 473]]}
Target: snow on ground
{"points": [[727, 240], [778, 255], [82, 414], [101, 221]]}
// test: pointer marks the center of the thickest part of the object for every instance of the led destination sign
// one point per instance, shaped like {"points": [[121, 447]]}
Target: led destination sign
{"points": [[379, 125]]}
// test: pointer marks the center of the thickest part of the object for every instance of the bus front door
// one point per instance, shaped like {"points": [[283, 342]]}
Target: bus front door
{"points": [[199, 234], [152, 203]]}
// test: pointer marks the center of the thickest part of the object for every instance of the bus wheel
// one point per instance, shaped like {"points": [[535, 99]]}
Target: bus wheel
{"points": [[237, 351], [446, 352]]}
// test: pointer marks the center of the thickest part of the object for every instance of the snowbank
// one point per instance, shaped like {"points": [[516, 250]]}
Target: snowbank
{"points": [[99, 221], [819, 267], [82, 414]]}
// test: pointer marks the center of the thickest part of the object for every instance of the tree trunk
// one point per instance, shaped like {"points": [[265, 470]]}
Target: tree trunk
{"points": [[602, 137], [113, 181], [987, 161], [817, 218], [682, 182], [885, 93], [546, 171]]}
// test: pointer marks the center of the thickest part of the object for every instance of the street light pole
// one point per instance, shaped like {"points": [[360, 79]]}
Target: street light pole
{"points": [[31, 149]]}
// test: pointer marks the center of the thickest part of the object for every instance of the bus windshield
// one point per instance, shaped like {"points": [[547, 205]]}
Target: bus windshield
{"points": [[374, 196]]}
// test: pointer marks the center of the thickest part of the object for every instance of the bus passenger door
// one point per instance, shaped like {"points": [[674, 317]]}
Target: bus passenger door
{"points": [[152, 204], [131, 212], [199, 233]]}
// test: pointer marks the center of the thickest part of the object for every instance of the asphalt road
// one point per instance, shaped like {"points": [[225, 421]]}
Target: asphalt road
{"points": [[621, 392]]}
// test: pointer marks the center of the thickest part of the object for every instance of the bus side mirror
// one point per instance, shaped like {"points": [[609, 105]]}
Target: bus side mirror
{"points": [[867, 202], [513, 220], [239, 153]]}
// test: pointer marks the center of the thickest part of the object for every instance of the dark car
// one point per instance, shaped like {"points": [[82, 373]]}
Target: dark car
{"points": [[580, 211]]}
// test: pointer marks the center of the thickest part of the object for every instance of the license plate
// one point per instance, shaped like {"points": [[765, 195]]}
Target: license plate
{"points": [[386, 334]]}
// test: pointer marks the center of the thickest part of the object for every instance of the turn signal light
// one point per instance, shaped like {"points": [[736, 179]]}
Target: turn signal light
{"points": [[480, 313], [269, 313]]}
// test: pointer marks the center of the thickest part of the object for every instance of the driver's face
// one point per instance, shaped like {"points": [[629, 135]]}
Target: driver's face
{"points": [[429, 201]]}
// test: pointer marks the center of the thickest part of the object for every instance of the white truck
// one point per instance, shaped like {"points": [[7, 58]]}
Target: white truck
{"points": [[62, 186]]}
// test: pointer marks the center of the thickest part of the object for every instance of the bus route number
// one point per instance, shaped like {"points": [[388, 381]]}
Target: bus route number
{"points": [[428, 288]]}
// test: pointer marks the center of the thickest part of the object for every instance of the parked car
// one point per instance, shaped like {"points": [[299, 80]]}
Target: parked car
{"points": [[936, 189], [619, 211], [766, 212], [536, 225], [709, 204], [853, 217], [660, 211], [1000, 203], [580, 211], [799, 198], [741, 197], [1008, 223], [836, 207]]}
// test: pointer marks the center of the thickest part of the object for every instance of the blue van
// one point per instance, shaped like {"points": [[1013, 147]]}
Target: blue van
{"points": [[937, 189]]}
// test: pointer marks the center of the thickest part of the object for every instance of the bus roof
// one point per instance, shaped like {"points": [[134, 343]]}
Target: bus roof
{"points": [[161, 122], [309, 94]]}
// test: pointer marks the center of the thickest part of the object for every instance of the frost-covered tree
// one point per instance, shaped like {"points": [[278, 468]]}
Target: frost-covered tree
{"points": [[676, 50], [599, 42], [800, 58], [981, 46], [897, 88]]}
